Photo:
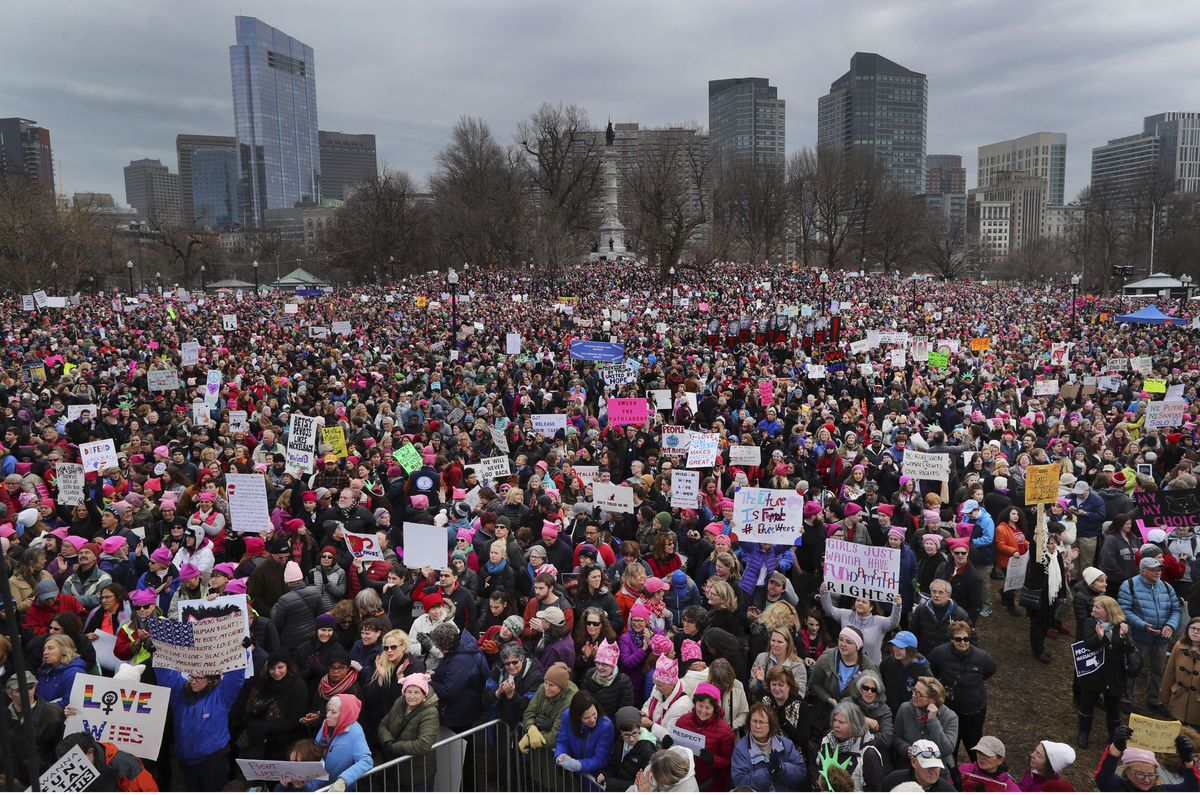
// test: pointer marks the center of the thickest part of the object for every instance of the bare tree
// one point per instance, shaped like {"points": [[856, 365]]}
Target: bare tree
{"points": [[900, 223], [843, 191], [381, 228], [1037, 260], [564, 160], [800, 174], [1096, 243], [944, 252], [753, 199]]}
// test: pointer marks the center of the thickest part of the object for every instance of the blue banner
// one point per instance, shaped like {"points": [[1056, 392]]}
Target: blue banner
{"points": [[308, 291], [595, 351]]}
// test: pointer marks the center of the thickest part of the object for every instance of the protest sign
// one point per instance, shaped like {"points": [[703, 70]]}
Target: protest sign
{"points": [[1153, 735], [162, 380], [766, 392], [702, 450], [597, 351], [71, 773], [627, 411], [335, 438], [291, 309], [745, 455], [229, 322], [189, 353], [1141, 364], [212, 389], [685, 489], [342, 328], [209, 646], [1169, 508], [494, 468], [894, 338], [897, 358], [1041, 483], [695, 741], [1116, 364], [1175, 391], [40, 299], [98, 456], [1155, 386], [767, 516], [1108, 383], [861, 571], [927, 466], [500, 440], [815, 372], [70, 483], [364, 546], [1087, 661], [74, 411], [1014, 576], [409, 458], [125, 713], [239, 422], [200, 415], [1165, 413], [549, 424], [248, 503], [612, 498], [1047, 387], [271, 770], [938, 361], [920, 349], [302, 443], [662, 399], [860, 346], [1060, 354], [977, 782], [27, 303], [618, 373], [425, 545], [676, 439], [981, 343], [512, 344], [200, 609]]}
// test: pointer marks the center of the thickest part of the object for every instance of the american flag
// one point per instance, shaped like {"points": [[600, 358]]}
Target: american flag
{"points": [[177, 633]]}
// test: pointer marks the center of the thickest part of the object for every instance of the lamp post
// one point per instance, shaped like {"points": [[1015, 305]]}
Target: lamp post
{"points": [[1186, 295], [452, 278], [203, 277], [54, 276], [391, 268], [92, 285], [824, 279], [1075, 280], [158, 282], [129, 267], [671, 271], [255, 266]]}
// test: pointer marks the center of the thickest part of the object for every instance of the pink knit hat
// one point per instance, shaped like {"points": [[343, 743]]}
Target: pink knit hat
{"points": [[689, 651], [660, 644], [639, 610], [666, 670], [707, 689], [608, 653]]}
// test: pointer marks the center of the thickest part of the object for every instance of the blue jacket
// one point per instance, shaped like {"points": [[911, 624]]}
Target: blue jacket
{"points": [[54, 684], [987, 529], [1089, 523], [201, 724], [458, 682], [776, 558], [677, 602], [751, 768], [591, 749], [348, 758], [1147, 605]]}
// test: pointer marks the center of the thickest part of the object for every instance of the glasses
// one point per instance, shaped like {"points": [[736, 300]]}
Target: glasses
{"points": [[391, 647], [631, 733], [963, 639], [1142, 775], [511, 663], [919, 694], [925, 753], [869, 689], [145, 607], [327, 556]]}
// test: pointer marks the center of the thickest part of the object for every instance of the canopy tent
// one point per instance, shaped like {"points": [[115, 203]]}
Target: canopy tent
{"points": [[1149, 315]]}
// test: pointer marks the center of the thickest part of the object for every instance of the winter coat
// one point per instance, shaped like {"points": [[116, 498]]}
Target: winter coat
{"points": [[86, 587], [664, 712], [591, 748], [873, 627], [612, 698], [1149, 604], [561, 650], [823, 681], [751, 767], [273, 736], [633, 654], [47, 730], [511, 710], [458, 682], [403, 733], [1119, 559], [898, 679], [332, 584], [1082, 605], [1091, 521], [54, 683], [719, 740], [608, 603], [942, 730], [760, 564], [1180, 689], [201, 723], [544, 713], [295, 615], [348, 757], [266, 585], [963, 674], [932, 631], [678, 600], [1111, 676], [795, 665], [623, 765]]}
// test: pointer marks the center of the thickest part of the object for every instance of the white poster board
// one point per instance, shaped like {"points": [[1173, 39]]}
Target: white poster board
{"points": [[861, 571], [703, 450], [493, 468], [189, 353], [247, 502], [271, 770], [926, 466], [745, 455], [302, 442], [162, 380], [685, 489], [549, 424], [72, 773], [425, 545], [767, 516], [70, 483], [612, 498], [363, 546], [98, 456], [125, 713]]}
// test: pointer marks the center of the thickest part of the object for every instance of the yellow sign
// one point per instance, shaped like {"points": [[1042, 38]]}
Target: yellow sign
{"points": [[1158, 385], [1041, 483], [981, 343], [1153, 735], [422, 301], [568, 299], [335, 437]]}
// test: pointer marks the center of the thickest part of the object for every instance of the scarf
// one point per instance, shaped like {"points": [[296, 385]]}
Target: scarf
{"points": [[327, 690], [656, 608], [1053, 578], [496, 568], [604, 681]]}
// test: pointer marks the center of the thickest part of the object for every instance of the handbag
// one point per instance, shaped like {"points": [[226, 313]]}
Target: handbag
{"points": [[1030, 598], [1133, 661]]}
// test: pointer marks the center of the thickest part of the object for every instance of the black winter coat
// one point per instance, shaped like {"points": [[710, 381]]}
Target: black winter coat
{"points": [[612, 698], [963, 675]]}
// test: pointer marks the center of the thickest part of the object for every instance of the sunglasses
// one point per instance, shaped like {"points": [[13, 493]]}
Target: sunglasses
{"points": [[508, 663], [927, 753], [593, 623], [869, 689], [391, 647], [963, 639]]}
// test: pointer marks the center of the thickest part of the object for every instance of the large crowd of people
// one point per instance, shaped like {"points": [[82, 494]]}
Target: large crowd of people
{"points": [[656, 648]]}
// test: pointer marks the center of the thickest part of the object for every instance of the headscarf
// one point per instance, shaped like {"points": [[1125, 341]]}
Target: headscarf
{"points": [[351, 707]]}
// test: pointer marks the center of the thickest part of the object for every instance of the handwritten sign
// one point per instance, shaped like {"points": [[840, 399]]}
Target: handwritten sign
{"points": [[938, 361], [767, 516], [302, 443], [189, 353], [927, 466], [342, 328], [512, 344], [861, 571], [586, 474], [494, 468], [1014, 575], [209, 646], [981, 343], [897, 358], [271, 770], [685, 489], [335, 437], [1154, 385], [128, 714], [703, 449], [1041, 483], [682, 737], [248, 502], [98, 456], [627, 411], [1141, 364], [676, 439], [239, 422], [1116, 364], [1165, 413], [1153, 735], [72, 773], [1170, 508], [74, 411], [70, 483], [1049, 387], [766, 392], [549, 424], [162, 380], [229, 322], [612, 498], [747, 455], [408, 458]]}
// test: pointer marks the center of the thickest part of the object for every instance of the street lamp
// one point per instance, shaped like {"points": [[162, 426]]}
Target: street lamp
{"points": [[129, 267], [255, 266], [203, 277], [391, 268], [824, 279], [92, 285], [54, 276], [158, 281], [452, 278], [1186, 295], [1075, 280], [671, 271]]}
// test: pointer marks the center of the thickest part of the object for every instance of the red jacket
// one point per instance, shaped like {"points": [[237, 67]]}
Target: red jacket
{"points": [[39, 615], [719, 740], [132, 776], [664, 570]]}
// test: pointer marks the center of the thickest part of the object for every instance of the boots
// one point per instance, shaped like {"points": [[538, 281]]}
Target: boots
{"points": [[1085, 728]]}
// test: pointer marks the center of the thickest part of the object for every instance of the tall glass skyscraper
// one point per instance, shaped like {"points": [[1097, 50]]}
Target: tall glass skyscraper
{"points": [[275, 119], [215, 189]]}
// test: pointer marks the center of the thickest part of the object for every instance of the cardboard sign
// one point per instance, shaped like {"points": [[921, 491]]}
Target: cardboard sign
{"points": [[162, 380], [612, 498], [239, 422], [500, 440], [1049, 387], [676, 440], [745, 455], [342, 328], [548, 424], [703, 449], [301, 452], [1041, 483], [512, 344], [425, 545], [981, 343], [627, 411], [408, 458], [74, 411], [494, 468], [861, 571], [767, 516], [1014, 576], [72, 773], [1165, 413], [335, 438], [70, 483], [685, 489], [926, 466], [363, 546], [682, 737], [815, 372], [270, 770], [128, 714], [247, 503], [1087, 661], [1153, 735], [98, 456], [209, 646]]}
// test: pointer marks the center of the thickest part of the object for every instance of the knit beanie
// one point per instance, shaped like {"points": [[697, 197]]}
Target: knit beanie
{"points": [[558, 674]]}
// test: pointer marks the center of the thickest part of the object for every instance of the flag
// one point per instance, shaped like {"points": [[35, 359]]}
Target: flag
{"points": [[177, 633]]}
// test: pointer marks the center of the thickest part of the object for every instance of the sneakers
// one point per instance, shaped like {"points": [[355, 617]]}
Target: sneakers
{"points": [[986, 611]]}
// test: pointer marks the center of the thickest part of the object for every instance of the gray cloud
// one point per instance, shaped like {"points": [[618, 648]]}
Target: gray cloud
{"points": [[117, 80]]}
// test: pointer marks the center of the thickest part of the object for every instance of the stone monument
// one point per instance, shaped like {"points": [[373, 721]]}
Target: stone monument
{"points": [[611, 245]]}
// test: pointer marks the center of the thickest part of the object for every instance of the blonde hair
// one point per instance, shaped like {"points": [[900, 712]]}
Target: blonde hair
{"points": [[65, 645], [780, 615], [385, 669], [723, 592], [498, 546], [1112, 608], [514, 497]]}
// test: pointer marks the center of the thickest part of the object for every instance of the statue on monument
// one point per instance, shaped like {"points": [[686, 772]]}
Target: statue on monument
{"points": [[609, 135]]}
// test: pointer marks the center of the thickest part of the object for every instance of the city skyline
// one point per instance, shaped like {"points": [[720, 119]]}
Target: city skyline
{"points": [[120, 85]]}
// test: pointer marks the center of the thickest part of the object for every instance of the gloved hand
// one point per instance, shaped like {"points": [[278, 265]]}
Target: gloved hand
{"points": [[489, 646], [536, 740], [775, 765], [338, 786], [523, 744], [1186, 750], [247, 642], [426, 643], [706, 756], [571, 764], [1121, 738]]}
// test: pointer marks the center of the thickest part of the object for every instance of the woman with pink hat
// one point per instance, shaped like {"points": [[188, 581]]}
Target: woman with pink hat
{"points": [[410, 729], [207, 519]]}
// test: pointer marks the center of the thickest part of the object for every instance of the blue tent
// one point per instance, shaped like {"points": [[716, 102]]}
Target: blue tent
{"points": [[1149, 315]]}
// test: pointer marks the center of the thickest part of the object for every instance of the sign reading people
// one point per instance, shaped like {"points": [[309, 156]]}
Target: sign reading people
{"points": [[767, 516], [123, 712], [862, 572]]}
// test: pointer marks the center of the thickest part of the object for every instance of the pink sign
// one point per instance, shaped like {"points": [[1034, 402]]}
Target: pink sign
{"points": [[702, 306], [627, 411], [766, 392]]}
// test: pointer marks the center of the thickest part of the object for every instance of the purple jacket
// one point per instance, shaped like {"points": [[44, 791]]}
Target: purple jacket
{"points": [[632, 657], [777, 558], [561, 650]]}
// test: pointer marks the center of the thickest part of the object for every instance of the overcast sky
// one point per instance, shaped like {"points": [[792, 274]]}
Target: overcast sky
{"points": [[117, 80]]}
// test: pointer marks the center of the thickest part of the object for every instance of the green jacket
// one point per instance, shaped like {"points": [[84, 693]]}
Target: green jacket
{"points": [[546, 713], [823, 681], [404, 733]]}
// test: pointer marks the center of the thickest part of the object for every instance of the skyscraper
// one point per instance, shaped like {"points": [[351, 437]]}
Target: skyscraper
{"points": [[215, 189], [346, 160], [745, 122], [945, 174], [152, 190], [1042, 154], [185, 145], [879, 109], [25, 152], [275, 119]]}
